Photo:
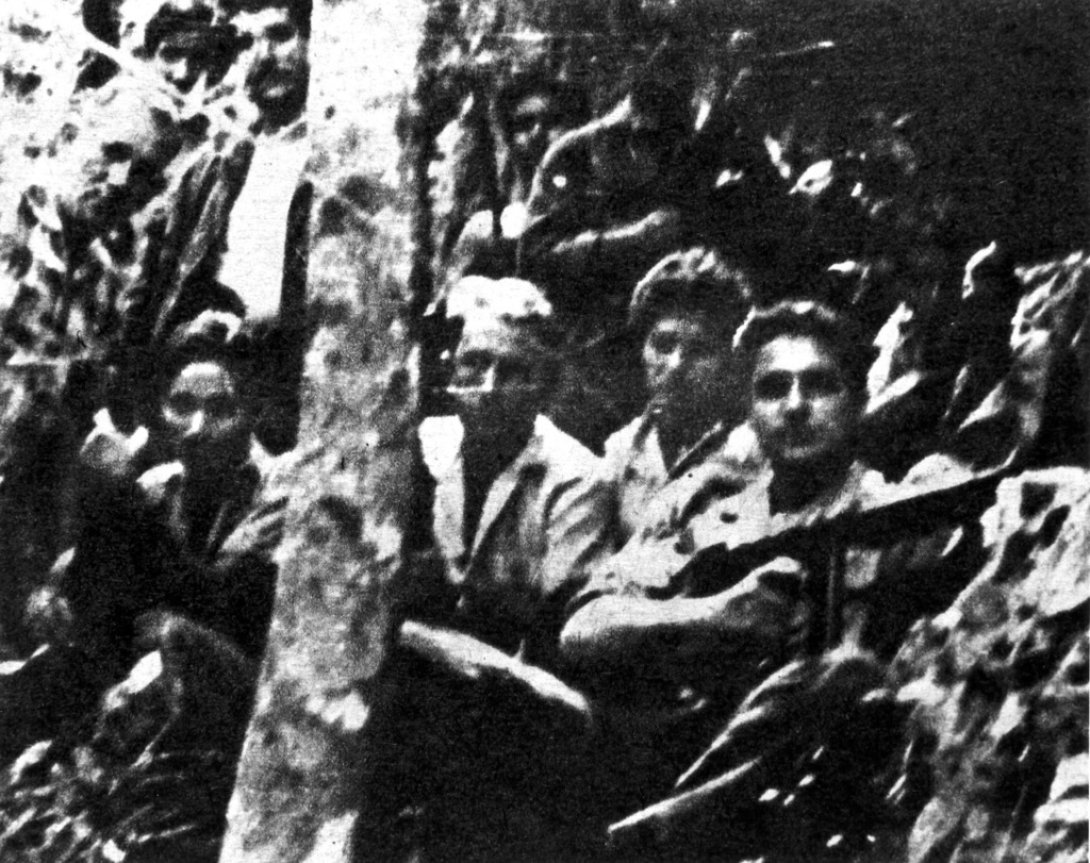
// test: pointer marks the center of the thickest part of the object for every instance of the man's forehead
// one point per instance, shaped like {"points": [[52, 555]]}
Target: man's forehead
{"points": [[690, 322], [496, 336], [534, 103], [794, 354], [188, 39], [256, 23]]}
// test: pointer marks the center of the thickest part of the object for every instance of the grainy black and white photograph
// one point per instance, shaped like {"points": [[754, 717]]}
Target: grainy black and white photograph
{"points": [[544, 431]]}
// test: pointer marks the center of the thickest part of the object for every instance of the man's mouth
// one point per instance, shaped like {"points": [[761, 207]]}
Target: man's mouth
{"points": [[800, 438]]}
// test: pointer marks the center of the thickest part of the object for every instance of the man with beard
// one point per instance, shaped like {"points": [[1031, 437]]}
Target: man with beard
{"points": [[236, 239], [77, 229]]}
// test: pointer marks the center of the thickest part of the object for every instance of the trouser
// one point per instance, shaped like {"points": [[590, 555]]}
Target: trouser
{"points": [[49, 695], [473, 768]]}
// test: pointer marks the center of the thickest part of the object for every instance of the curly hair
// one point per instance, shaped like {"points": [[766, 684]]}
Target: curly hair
{"points": [[695, 281], [809, 319], [299, 11], [211, 337], [175, 17]]}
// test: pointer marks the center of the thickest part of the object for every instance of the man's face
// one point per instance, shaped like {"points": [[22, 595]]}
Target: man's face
{"points": [[536, 123], [687, 364], [497, 383], [277, 79], [802, 409], [124, 172], [206, 420], [179, 58]]}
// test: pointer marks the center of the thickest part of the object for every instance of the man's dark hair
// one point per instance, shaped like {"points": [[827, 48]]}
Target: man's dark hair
{"points": [[571, 100], [808, 319], [171, 18], [299, 11], [211, 337], [695, 281], [663, 89]]}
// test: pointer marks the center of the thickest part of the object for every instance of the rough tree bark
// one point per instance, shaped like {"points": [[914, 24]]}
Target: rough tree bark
{"points": [[349, 485]]}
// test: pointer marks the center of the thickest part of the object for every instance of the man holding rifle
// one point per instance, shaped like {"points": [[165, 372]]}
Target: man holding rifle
{"points": [[675, 630]]}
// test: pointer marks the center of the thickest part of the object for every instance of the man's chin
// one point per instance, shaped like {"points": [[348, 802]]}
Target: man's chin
{"points": [[802, 459]]}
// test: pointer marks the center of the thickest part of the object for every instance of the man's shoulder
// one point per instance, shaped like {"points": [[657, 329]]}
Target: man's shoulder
{"points": [[563, 455], [440, 439], [158, 483], [620, 446]]}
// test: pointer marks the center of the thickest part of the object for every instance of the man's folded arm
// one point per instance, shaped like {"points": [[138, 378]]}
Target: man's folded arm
{"points": [[612, 628]]}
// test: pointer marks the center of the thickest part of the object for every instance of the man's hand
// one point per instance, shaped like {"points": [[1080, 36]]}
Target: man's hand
{"points": [[109, 453], [766, 603], [258, 534], [661, 226], [193, 651], [48, 616], [164, 631]]}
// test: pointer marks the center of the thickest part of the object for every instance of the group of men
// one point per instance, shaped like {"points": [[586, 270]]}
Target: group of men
{"points": [[616, 574]]}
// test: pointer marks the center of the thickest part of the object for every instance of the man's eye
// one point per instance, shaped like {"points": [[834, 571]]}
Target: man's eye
{"points": [[700, 350], [663, 344], [117, 151], [220, 408], [279, 33], [771, 387], [514, 372], [181, 405], [822, 383], [473, 362]]}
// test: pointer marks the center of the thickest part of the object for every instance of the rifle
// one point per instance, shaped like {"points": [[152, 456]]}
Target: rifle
{"points": [[821, 543]]}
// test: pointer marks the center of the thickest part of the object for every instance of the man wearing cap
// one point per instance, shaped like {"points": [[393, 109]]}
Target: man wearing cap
{"points": [[174, 555], [609, 200], [691, 438], [236, 238]]}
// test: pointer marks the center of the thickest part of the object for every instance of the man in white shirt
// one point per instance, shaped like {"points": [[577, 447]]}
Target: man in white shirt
{"points": [[237, 235]]}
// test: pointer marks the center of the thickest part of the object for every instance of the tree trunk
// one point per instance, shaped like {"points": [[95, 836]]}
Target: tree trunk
{"points": [[298, 789]]}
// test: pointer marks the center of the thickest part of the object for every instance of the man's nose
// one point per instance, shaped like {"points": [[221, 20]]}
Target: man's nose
{"points": [[485, 382], [117, 174], [488, 380], [186, 71], [796, 401], [196, 424], [674, 360]]}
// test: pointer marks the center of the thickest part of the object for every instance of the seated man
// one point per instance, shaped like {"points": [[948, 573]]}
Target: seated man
{"points": [[519, 517], [685, 312], [177, 558], [477, 739], [697, 625]]}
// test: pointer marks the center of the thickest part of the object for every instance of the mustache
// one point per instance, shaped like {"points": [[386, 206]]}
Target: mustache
{"points": [[264, 72]]}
